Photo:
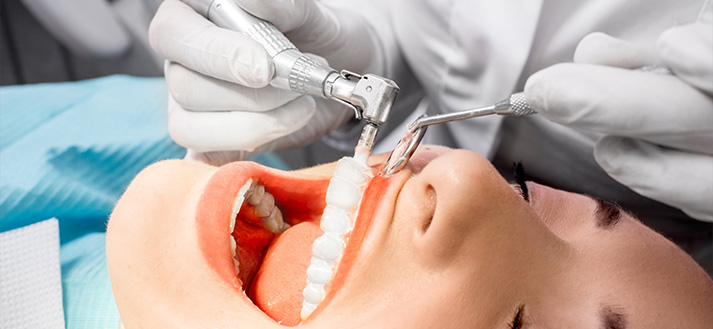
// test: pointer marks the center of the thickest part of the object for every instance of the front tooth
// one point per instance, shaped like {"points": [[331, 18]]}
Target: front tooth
{"points": [[313, 293], [350, 170], [265, 206], [307, 309], [233, 246], [335, 220], [236, 266], [319, 271], [342, 194], [327, 248]]}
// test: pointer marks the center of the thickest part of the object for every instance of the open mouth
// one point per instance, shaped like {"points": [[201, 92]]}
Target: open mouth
{"points": [[257, 228]]}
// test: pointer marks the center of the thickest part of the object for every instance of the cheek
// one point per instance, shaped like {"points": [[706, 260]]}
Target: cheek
{"points": [[567, 215]]}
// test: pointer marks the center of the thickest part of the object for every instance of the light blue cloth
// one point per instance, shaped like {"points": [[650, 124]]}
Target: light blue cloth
{"points": [[68, 150]]}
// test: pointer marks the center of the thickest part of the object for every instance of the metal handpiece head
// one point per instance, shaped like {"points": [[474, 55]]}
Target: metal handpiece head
{"points": [[375, 95], [405, 148], [370, 96]]}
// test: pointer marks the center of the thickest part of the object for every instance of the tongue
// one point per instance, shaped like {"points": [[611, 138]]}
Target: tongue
{"points": [[278, 284]]}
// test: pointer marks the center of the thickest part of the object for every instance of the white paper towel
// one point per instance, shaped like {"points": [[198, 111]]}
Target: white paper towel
{"points": [[30, 277]]}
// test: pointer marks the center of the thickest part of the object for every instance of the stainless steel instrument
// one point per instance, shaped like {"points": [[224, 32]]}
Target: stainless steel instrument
{"points": [[515, 105]]}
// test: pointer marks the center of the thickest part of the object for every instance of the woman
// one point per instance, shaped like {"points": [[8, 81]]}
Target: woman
{"points": [[447, 243]]}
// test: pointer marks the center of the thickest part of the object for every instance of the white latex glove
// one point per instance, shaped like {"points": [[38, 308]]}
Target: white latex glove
{"points": [[658, 129], [220, 97]]}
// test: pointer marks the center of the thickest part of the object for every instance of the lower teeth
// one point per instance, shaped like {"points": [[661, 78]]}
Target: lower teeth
{"points": [[236, 266]]}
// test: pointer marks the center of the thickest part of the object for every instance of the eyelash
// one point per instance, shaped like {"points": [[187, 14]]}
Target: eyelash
{"points": [[517, 319], [519, 171]]}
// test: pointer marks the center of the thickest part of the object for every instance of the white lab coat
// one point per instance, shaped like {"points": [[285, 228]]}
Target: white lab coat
{"points": [[469, 53]]}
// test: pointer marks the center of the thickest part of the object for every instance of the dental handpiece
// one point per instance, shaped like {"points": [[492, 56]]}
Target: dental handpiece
{"points": [[370, 96]]}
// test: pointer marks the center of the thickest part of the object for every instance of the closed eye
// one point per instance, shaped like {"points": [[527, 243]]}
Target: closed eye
{"points": [[520, 179], [517, 322]]}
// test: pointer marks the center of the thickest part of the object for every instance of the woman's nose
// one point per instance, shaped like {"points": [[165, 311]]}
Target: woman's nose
{"points": [[466, 205]]}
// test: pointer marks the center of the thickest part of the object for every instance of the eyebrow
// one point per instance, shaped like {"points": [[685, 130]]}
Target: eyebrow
{"points": [[607, 214], [612, 319]]}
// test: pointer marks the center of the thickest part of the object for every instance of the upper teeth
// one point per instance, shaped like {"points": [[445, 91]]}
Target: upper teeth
{"points": [[264, 203], [343, 195]]}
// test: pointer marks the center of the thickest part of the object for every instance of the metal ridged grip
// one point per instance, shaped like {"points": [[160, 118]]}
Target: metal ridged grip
{"points": [[293, 70], [301, 75], [270, 38], [519, 106]]}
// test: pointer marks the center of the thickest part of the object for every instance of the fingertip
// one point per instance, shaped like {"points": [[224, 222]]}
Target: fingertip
{"points": [[306, 102], [176, 124], [688, 50], [295, 115], [252, 67], [669, 42], [535, 89], [611, 152], [589, 48], [544, 91], [602, 153], [165, 26], [180, 86]]}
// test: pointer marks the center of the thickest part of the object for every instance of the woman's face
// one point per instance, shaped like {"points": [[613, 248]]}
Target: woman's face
{"points": [[445, 243]]}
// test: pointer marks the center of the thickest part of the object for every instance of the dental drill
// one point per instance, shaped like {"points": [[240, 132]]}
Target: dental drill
{"points": [[370, 96]]}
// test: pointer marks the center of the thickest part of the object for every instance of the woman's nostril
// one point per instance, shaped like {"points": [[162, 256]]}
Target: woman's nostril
{"points": [[430, 205], [427, 224]]}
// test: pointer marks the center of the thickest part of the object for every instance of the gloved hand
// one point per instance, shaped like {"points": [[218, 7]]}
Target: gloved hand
{"points": [[220, 97], [658, 129]]}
